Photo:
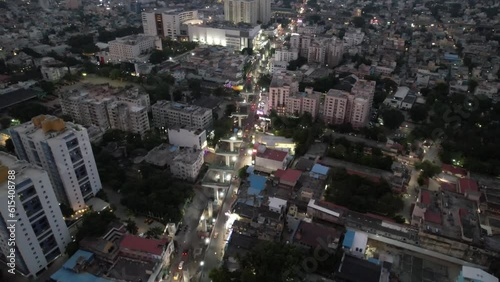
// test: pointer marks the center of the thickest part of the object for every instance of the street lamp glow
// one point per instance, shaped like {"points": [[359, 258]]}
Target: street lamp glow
{"points": [[228, 177], [202, 263], [207, 241], [234, 159], [250, 151], [221, 194], [202, 217]]}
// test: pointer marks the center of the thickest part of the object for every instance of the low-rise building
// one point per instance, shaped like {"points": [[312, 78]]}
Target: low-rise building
{"points": [[132, 47], [187, 137], [184, 163], [167, 114], [270, 160]]}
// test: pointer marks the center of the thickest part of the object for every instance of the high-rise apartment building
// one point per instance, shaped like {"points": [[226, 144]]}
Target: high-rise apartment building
{"points": [[106, 107], [335, 106], [300, 103], [247, 11], [62, 149], [167, 114], [282, 85], [41, 234], [354, 108], [166, 23]]}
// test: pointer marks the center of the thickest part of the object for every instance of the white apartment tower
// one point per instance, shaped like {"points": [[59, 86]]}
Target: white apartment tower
{"points": [[128, 117], [166, 23], [63, 150], [247, 11], [41, 233]]}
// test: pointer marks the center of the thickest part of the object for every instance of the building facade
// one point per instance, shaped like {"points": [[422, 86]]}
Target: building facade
{"points": [[63, 149], [238, 36], [187, 164], [132, 47], [247, 11], [41, 234], [188, 137], [166, 23]]}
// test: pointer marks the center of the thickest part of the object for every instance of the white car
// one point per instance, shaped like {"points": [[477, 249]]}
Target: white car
{"points": [[181, 264]]}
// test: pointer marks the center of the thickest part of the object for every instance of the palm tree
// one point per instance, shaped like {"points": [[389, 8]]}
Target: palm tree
{"points": [[131, 226]]}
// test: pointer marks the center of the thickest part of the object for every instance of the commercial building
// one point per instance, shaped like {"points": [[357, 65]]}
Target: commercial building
{"points": [[63, 149], [132, 47], [166, 23], [167, 114], [247, 11], [41, 234], [236, 36], [188, 137], [107, 107]]}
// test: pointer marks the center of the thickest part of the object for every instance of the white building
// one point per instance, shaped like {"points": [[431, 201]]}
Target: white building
{"points": [[188, 137], [187, 164], [63, 149], [167, 114], [99, 106], [41, 234], [237, 37], [166, 23], [278, 66], [353, 37], [286, 55], [270, 160], [132, 47], [53, 70], [247, 11]]}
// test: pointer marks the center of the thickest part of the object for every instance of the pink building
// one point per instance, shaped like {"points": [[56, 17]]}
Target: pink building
{"points": [[303, 102], [282, 85], [335, 106]]}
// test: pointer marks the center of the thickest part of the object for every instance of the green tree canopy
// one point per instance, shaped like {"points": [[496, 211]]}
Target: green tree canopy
{"points": [[418, 113], [392, 118]]}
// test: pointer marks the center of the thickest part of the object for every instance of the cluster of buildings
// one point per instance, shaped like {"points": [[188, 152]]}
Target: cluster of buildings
{"points": [[352, 103], [108, 108]]}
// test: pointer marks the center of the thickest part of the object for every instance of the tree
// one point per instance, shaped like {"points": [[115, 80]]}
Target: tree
{"points": [[264, 81], [5, 122], [115, 74], [392, 118], [358, 22], [428, 169], [154, 232], [157, 57], [9, 146], [242, 173], [230, 109], [131, 226], [295, 64], [418, 113], [472, 85], [25, 112]]}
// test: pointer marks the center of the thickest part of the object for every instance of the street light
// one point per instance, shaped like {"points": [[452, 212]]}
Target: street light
{"points": [[202, 263], [207, 240]]}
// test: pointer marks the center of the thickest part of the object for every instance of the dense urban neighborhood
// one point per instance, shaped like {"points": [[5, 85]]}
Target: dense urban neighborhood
{"points": [[249, 140]]}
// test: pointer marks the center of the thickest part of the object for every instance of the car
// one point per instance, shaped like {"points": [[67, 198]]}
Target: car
{"points": [[181, 264], [216, 235], [177, 276], [185, 253]]}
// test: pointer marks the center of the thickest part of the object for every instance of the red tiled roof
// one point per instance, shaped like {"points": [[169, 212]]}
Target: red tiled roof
{"points": [[467, 185], [272, 154], [454, 170], [144, 245], [432, 216], [448, 186], [425, 197], [289, 175]]}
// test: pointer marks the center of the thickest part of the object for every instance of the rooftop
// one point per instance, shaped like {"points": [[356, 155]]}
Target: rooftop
{"points": [[311, 234], [467, 185], [354, 269], [272, 154], [454, 170], [289, 175], [150, 246]]}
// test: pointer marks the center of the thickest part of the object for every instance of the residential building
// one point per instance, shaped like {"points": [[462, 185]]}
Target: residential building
{"points": [[167, 114], [353, 37], [166, 23], [63, 149], [247, 11], [270, 160], [132, 47], [187, 164], [128, 117], [473, 274], [295, 41], [184, 163], [235, 36], [107, 107], [300, 103], [335, 106], [188, 137], [41, 234], [282, 85], [286, 55]]}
